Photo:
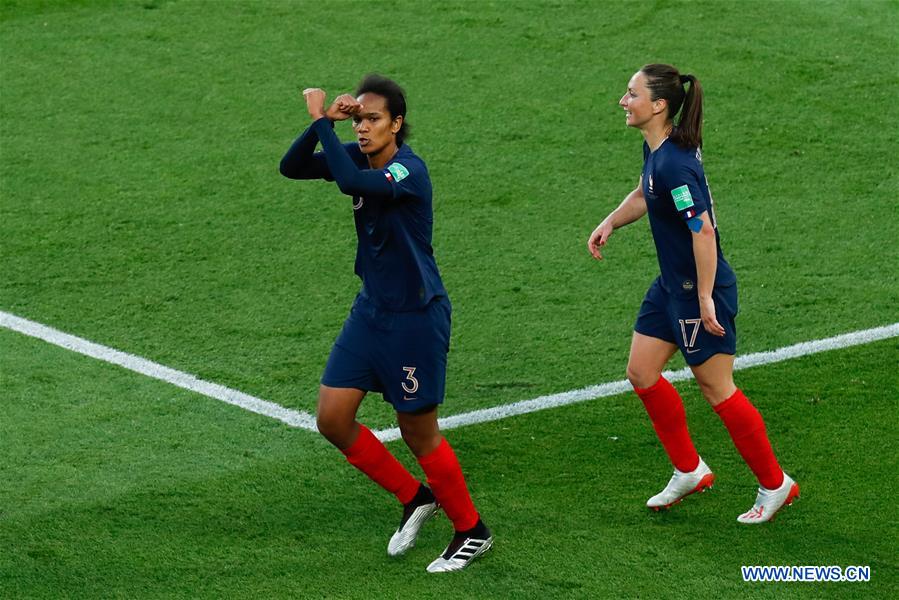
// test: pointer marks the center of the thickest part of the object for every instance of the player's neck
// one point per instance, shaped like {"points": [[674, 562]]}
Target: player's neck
{"points": [[382, 157], [656, 134]]}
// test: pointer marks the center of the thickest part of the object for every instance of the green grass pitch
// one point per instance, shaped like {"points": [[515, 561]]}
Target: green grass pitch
{"points": [[141, 208]]}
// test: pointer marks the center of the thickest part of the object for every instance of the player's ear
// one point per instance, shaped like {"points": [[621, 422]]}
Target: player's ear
{"points": [[397, 123], [659, 105]]}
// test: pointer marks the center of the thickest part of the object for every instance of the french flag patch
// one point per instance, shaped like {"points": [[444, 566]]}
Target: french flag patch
{"points": [[690, 214], [388, 176]]}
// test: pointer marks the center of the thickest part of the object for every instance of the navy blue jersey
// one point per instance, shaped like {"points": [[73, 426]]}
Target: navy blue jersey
{"points": [[676, 192], [393, 213]]}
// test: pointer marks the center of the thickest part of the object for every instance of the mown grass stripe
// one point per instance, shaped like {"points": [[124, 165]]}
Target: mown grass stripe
{"points": [[304, 420], [149, 368]]}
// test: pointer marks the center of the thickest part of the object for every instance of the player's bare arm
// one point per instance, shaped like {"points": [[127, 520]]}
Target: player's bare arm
{"points": [[315, 102], [631, 209], [343, 107], [706, 254]]}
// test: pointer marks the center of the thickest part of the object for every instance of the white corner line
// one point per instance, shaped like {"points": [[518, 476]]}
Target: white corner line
{"points": [[304, 420], [149, 368], [614, 388]]}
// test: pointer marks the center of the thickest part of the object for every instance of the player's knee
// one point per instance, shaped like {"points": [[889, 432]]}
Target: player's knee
{"points": [[705, 387], [641, 377], [332, 427], [717, 392], [714, 385], [421, 444]]}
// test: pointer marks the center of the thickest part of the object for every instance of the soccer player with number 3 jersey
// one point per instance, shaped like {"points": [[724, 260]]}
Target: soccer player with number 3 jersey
{"points": [[692, 305], [396, 337]]}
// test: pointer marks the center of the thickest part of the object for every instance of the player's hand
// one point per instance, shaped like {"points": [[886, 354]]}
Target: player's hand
{"points": [[343, 107], [598, 238], [315, 102], [709, 321]]}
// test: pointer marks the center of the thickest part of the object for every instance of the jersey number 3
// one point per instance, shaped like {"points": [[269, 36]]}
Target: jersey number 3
{"points": [[411, 387]]}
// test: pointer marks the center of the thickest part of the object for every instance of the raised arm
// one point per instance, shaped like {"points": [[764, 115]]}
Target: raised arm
{"points": [[351, 180], [301, 160], [631, 209]]}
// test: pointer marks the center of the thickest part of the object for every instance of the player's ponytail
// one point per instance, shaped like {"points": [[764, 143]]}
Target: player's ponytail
{"points": [[688, 131], [683, 94]]}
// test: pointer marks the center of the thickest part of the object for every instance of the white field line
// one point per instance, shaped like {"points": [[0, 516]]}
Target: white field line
{"points": [[617, 387], [304, 420], [155, 370]]}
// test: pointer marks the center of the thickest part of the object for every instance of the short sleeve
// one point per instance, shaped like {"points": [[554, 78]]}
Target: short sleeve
{"points": [[407, 177], [688, 192]]}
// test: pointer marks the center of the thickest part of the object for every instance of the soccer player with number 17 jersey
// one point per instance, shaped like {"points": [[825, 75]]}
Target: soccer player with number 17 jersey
{"points": [[692, 305]]}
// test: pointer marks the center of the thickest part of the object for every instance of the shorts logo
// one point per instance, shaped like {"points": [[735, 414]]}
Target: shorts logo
{"points": [[651, 191], [413, 386], [358, 203], [396, 172], [682, 197]]}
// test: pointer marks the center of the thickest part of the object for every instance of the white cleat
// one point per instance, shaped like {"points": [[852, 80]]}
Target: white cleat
{"points": [[682, 485], [768, 502], [462, 550], [414, 516]]}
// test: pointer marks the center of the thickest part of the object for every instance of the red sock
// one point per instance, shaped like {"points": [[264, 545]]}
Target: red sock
{"points": [[747, 430], [666, 411], [371, 457], [448, 484]]}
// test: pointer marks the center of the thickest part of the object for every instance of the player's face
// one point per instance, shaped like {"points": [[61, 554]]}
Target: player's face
{"points": [[374, 128], [636, 102]]}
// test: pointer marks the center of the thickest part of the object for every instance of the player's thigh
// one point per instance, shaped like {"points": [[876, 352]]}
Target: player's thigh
{"points": [[715, 377], [653, 342], [648, 357]]}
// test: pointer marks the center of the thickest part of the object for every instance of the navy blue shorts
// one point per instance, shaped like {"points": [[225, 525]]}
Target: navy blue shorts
{"points": [[399, 354], [675, 318]]}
